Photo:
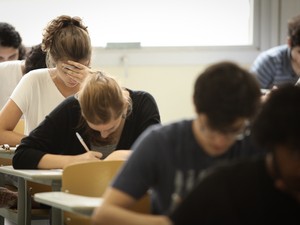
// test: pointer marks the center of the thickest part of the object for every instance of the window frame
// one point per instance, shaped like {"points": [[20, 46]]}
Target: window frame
{"points": [[265, 35]]}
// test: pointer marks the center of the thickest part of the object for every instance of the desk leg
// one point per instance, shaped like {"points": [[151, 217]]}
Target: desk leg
{"points": [[22, 191], [56, 214], [56, 217], [2, 185]]}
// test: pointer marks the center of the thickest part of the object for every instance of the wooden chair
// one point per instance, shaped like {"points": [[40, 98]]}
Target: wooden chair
{"points": [[91, 179]]}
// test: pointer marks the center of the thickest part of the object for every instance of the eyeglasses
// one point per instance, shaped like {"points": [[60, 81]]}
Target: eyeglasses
{"points": [[231, 133]]}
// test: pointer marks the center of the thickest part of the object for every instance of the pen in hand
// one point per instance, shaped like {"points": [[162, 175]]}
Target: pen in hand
{"points": [[82, 142]]}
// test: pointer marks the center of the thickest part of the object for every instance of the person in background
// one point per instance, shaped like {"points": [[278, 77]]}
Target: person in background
{"points": [[260, 190], [11, 72], [280, 64], [11, 47], [107, 116], [169, 160], [68, 48]]}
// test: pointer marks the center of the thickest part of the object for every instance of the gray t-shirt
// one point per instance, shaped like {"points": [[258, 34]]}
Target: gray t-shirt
{"points": [[168, 160]]}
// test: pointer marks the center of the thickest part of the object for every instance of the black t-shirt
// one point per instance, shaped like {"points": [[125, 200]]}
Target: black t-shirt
{"points": [[56, 134], [239, 194]]}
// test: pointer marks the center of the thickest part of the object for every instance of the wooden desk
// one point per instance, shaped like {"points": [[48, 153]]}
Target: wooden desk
{"points": [[77, 204], [48, 177]]}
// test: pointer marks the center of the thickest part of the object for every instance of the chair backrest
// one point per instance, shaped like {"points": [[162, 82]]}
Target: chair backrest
{"points": [[87, 179], [91, 179]]}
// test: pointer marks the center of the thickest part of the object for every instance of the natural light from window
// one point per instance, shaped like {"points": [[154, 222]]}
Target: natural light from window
{"points": [[152, 23]]}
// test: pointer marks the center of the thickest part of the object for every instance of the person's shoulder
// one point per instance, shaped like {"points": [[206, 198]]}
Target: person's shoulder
{"points": [[181, 126], [277, 51], [11, 66], [68, 104], [71, 101], [135, 94], [236, 168], [38, 74], [12, 63]]}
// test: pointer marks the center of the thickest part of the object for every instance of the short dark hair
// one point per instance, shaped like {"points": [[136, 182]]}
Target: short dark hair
{"points": [[278, 122], [294, 31], [9, 37], [225, 92], [35, 59]]}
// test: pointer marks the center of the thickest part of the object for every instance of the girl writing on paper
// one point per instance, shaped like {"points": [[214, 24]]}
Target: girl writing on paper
{"points": [[107, 116]]}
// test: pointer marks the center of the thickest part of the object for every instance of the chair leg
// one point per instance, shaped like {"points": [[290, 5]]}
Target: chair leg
{"points": [[28, 205], [2, 219], [22, 190]]}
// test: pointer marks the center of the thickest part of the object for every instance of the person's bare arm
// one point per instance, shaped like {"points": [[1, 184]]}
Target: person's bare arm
{"points": [[114, 211], [119, 155], [9, 117], [52, 161]]}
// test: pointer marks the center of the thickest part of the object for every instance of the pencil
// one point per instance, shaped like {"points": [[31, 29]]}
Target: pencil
{"points": [[82, 142]]}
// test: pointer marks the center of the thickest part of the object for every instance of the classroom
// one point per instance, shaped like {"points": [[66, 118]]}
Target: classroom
{"points": [[159, 47], [143, 67]]}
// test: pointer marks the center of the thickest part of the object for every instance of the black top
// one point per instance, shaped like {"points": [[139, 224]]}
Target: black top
{"points": [[56, 134], [240, 194]]}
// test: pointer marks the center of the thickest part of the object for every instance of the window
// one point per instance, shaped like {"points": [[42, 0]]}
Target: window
{"points": [[152, 23]]}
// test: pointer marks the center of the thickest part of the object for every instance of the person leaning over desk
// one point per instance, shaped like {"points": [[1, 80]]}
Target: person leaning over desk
{"points": [[67, 44], [259, 190], [281, 64], [11, 72], [170, 159], [107, 116]]}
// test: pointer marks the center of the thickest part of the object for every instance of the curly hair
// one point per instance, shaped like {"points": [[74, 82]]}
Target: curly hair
{"points": [[35, 59], [66, 38]]}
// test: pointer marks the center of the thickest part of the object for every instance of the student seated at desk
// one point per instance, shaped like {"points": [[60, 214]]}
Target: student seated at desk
{"points": [[68, 47], [170, 159], [280, 64], [262, 190], [11, 46], [11, 72], [107, 116]]}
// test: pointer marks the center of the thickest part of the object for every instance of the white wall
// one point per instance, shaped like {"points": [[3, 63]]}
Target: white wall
{"points": [[169, 73], [171, 87]]}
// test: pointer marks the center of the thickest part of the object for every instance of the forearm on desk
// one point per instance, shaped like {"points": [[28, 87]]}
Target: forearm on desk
{"points": [[53, 161], [10, 137], [115, 215]]}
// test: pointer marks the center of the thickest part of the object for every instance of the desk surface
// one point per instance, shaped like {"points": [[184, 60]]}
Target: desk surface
{"points": [[48, 177], [39, 176], [7, 153], [69, 202]]}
